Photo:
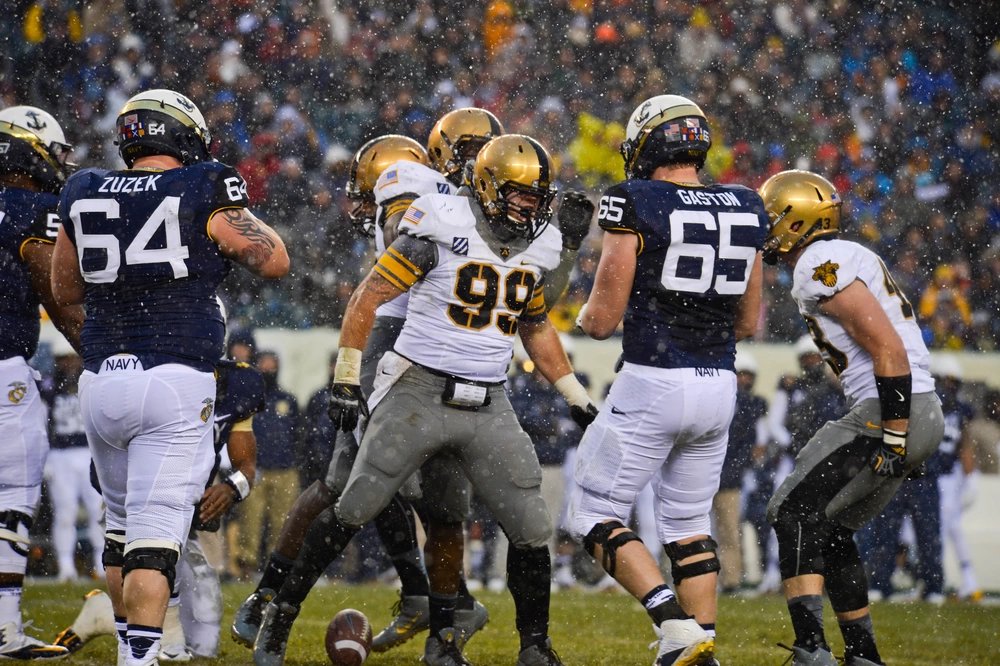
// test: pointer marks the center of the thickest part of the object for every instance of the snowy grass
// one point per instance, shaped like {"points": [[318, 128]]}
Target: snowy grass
{"points": [[587, 629]]}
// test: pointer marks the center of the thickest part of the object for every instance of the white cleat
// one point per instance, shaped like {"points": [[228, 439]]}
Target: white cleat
{"points": [[173, 645], [14, 644], [683, 643], [96, 618]]}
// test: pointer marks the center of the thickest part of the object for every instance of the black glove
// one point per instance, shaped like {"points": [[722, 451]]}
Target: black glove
{"points": [[583, 416], [889, 459], [575, 213], [346, 402]]}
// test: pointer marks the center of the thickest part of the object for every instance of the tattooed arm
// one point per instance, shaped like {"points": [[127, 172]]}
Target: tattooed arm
{"points": [[248, 241]]}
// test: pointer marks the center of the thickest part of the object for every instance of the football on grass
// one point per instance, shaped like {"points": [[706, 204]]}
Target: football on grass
{"points": [[348, 638]]}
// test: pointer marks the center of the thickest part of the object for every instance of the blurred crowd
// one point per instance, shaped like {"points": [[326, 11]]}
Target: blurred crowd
{"points": [[897, 103]]}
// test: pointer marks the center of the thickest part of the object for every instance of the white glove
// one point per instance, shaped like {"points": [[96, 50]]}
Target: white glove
{"points": [[970, 489]]}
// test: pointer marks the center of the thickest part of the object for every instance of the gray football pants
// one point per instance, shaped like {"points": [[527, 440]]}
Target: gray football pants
{"points": [[411, 426], [832, 480]]}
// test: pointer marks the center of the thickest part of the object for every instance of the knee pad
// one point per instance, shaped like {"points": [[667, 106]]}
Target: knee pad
{"points": [[800, 546], [14, 528], [114, 549], [600, 535], [163, 560], [677, 552], [846, 581]]}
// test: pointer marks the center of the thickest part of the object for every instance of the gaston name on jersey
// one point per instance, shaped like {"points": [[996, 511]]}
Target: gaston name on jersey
{"points": [[24, 216], [465, 299], [396, 188], [697, 247], [150, 268], [828, 266]]}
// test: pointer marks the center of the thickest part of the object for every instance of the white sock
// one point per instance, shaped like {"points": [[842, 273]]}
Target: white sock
{"points": [[10, 605], [144, 644]]}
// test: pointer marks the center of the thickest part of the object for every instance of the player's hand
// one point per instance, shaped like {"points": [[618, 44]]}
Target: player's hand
{"points": [[346, 403], [216, 501], [889, 457], [583, 416], [575, 213]]}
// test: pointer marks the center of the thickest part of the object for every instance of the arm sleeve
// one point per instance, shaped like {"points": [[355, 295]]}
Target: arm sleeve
{"points": [[616, 214], [406, 261], [227, 189], [538, 308]]}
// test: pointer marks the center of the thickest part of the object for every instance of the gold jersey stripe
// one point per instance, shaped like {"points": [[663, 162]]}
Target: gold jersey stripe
{"points": [[395, 281], [246, 425], [398, 206], [398, 256]]}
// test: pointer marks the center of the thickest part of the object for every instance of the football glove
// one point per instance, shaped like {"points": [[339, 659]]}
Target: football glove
{"points": [[889, 456], [583, 416], [575, 213], [346, 403]]}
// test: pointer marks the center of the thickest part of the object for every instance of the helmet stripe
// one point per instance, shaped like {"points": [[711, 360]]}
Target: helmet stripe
{"points": [[155, 105]]}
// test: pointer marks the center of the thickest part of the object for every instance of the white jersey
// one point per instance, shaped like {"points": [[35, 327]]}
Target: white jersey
{"points": [[827, 267], [462, 315], [404, 180]]}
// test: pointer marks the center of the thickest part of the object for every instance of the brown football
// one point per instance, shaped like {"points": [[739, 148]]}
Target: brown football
{"points": [[349, 638]]}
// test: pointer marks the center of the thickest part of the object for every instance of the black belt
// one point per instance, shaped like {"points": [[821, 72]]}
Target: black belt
{"points": [[11, 519], [445, 375]]}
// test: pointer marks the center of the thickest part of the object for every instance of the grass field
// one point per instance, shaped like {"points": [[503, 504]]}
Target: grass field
{"points": [[587, 629]]}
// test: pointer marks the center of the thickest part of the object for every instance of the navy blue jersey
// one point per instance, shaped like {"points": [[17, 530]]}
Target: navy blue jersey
{"points": [[150, 268], [24, 216], [66, 421], [239, 395], [697, 246]]}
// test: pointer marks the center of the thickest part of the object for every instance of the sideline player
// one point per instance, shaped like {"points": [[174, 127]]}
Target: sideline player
{"points": [[473, 267], [851, 468], [145, 249], [681, 262], [195, 612], [33, 168]]}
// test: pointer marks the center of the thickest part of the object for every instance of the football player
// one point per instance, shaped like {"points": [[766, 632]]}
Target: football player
{"points": [[386, 172], [144, 249], [474, 267], [681, 263], [194, 614], [848, 471], [33, 168]]}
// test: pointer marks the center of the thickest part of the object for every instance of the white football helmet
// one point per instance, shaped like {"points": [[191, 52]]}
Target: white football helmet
{"points": [[32, 142], [662, 130], [162, 122]]}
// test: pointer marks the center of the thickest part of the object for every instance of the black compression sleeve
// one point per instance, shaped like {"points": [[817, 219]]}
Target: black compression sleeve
{"points": [[894, 396]]}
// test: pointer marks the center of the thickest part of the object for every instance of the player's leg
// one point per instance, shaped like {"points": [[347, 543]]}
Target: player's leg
{"points": [[848, 589], [926, 516], [392, 449], [201, 601], [950, 489], [307, 507], [23, 447], [500, 461], [62, 486], [168, 466]]}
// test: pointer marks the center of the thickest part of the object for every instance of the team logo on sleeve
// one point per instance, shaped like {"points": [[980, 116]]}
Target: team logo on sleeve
{"points": [[460, 245], [826, 274], [17, 392], [206, 411]]}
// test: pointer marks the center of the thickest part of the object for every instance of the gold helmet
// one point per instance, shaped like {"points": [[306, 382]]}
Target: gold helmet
{"points": [[368, 164], [457, 137], [803, 206], [512, 180]]}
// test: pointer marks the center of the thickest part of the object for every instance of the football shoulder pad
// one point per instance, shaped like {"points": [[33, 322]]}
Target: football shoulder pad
{"points": [[825, 268], [438, 218], [409, 178]]}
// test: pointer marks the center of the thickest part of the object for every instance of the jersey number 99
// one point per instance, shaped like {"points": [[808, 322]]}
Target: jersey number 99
{"points": [[478, 287]]}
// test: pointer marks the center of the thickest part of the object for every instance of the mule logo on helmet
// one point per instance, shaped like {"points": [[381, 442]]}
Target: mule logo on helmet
{"points": [[36, 122], [643, 114], [188, 106]]}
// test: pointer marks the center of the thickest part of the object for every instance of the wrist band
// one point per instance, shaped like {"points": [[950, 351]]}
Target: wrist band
{"points": [[572, 390], [894, 396], [348, 370], [238, 482], [894, 437]]}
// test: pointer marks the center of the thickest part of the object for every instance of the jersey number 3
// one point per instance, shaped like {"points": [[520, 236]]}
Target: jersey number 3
{"points": [[138, 251]]}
